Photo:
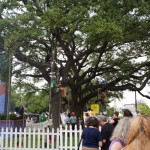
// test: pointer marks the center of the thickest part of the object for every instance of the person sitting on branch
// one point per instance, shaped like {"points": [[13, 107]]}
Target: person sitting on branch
{"points": [[57, 88]]}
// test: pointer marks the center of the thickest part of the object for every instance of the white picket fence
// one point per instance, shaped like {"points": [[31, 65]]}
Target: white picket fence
{"points": [[45, 139]]}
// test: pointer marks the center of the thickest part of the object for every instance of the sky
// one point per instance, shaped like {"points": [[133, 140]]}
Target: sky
{"points": [[129, 98]]}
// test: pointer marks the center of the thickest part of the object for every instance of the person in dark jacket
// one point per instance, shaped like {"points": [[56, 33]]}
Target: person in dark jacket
{"points": [[115, 118], [106, 131]]}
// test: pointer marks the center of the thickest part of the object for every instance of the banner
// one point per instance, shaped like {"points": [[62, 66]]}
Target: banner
{"points": [[3, 98]]}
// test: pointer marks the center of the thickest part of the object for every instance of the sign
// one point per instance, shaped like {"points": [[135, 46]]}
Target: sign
{"points": [[3, 98], [95, 108]]}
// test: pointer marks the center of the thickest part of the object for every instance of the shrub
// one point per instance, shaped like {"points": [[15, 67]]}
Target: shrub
{"points": [[10, 117]]}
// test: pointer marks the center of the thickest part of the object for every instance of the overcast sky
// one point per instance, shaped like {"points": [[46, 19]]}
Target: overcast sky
{"points": [[129, 98]]}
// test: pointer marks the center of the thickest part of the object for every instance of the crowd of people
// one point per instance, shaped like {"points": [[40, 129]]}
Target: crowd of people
{"points": [[127, 133], [71, 119]]}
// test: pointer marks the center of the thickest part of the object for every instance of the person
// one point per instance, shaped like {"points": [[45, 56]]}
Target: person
{"points": [[80, 122], [36, 120], [139, 133], [42, 117], [119, 136], [54, 88], [21, 109], [138, 112], [106, 131], [91, 136], [115, 118], [86, 117], [127, 113], [67, 119], [73, 120]]}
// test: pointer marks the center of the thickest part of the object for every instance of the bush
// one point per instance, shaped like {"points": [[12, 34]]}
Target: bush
{"points": [[10, 117], [3, 117]]}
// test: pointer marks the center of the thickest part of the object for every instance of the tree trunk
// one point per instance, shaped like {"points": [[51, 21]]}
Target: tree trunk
{"points": [[55, 110], [75, 105]]}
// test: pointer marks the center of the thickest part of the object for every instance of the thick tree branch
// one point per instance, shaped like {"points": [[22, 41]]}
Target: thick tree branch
{"points": [[20, 56], [148, 97]]}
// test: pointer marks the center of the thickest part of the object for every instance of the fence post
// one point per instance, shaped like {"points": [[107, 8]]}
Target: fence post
{"points": [[34, 133], [15, 144], [29, 138], [2, 138], [24, 138], [20, 144], [6, 138], [57, 139], [52, 138], [66, 137], [80, 134], [70, 135], [38, 138], [76, 137], [61, 137], [48, 136]]}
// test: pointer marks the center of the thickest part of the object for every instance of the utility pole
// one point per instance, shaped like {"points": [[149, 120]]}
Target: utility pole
{"points": [[52, 74], [135, 99], [115, 106]]}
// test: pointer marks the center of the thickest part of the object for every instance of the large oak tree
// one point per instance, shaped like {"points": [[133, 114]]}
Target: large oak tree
{"points": [[104, 39]]}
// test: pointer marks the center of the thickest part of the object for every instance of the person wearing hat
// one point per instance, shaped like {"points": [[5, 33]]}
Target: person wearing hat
{"points": [[73, 120], [106, 131]]}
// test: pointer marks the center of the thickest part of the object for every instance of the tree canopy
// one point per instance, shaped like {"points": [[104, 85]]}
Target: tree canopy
{"points": [[145, 109], [88, 39]]}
